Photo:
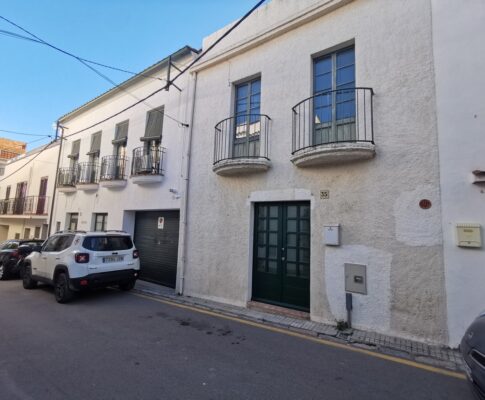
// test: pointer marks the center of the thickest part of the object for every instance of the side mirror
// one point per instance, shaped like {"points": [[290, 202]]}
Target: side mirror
{"points": [[37, 248]]}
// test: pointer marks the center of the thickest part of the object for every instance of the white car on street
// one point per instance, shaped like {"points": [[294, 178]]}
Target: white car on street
{"points": [[73, 261]]}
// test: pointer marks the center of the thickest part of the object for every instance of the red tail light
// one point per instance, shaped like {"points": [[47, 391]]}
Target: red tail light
{"points": [[82, 258], [135, 254]]}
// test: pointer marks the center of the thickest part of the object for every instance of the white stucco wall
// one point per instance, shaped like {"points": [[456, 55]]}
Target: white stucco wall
{"points": [[375, 201], [118, 202], [458, 34], [29, 168]]}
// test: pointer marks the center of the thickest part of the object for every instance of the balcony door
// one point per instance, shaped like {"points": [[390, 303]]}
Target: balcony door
{"points": [[247, 128], [20, 197], [334, 101], [41, 202]]}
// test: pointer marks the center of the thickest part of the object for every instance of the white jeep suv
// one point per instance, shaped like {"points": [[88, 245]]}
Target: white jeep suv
{"points": [[72, 261]]}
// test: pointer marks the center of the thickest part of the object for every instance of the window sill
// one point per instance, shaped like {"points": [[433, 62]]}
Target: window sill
{"points": [[241, 166], [333, 153], [87, 186]]}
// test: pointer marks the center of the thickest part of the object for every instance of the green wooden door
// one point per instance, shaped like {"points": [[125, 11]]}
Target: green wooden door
{"points": [[281, 265]]}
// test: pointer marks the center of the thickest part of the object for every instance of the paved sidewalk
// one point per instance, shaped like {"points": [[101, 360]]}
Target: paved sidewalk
{"points": [[438, 356]]}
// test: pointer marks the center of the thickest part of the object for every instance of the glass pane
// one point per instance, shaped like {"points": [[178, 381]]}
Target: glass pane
{"points": [[262, 251], [256, 86], [255, 103], [305, 270], [345, 57], [272, 267], [291, 226], [304, 212], [262, 224], [291, 255], [322, 100], [291, 239], [345, 75], [273, 239], [322, 83], [262, 211], [273, 225], [304, 225], [292, 211], [272, 253], [242, 91], [291, 269], [346, 110], [273, 211], [304, 241], [262, 239], [323, 65], [305, 255], [323, 115], [261, 265]]}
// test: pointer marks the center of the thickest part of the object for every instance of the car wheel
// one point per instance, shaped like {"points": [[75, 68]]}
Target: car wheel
{"points": [[27, 281], [62, 291], [125, 286]]}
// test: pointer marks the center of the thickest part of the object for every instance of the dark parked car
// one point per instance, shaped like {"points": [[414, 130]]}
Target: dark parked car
{"points": [[473, 350], [12, 254]]}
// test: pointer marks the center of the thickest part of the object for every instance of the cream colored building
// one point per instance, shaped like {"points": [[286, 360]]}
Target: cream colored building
{"points": [[25, 196]]}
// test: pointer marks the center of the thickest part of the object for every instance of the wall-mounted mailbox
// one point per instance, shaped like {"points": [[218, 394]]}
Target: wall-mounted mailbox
{"points": [[355, 278], [468, 235], [331, 235]]}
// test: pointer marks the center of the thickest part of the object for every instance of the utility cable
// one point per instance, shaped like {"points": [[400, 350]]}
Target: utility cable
{"points": [[86, 64], [202, 54], [24, 134], [28, 162]]}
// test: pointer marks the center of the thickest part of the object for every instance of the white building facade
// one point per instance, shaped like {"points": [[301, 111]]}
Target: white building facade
{"points": [[315, 167], [126, 173], [26, 190]]}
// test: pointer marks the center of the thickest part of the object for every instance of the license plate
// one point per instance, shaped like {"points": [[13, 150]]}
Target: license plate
{"points": [[111, 259]]}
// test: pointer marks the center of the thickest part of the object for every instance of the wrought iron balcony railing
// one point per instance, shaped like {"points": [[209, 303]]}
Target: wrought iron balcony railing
{"points": [[87, 173], [66, 177], [147, 161], [29, 205], [335, 116], [113, 168], [242, 136]]}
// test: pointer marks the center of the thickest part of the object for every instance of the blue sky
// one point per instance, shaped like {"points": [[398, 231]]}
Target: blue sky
{"points": [[39, 84]]}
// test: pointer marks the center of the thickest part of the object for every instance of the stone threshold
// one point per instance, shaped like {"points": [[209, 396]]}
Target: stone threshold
{"points": [[435, 355]]}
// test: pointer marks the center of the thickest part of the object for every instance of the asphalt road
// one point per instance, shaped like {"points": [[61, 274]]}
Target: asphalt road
{"points": [[114, 345]]}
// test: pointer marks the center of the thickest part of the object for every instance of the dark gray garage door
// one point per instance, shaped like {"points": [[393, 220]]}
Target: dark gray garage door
{"points": [[157, 238]]}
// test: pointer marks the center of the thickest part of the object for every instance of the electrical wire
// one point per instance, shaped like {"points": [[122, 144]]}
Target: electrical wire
{"points": [[170, 82], [24, 134], [28, 162], [86, 64], [22, 37]]}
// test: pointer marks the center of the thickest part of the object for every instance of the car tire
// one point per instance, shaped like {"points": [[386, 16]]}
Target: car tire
{"points": [[126, 286], [62, 291], [27, 281], [4, 272]]}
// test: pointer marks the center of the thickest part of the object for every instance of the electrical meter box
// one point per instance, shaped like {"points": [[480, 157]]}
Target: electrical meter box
{"points": [[468, 235], [355, 278], [331, 235]]}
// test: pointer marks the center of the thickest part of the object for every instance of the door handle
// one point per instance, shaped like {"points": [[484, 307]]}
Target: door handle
{"points": [[282, 258], [58, 258]]}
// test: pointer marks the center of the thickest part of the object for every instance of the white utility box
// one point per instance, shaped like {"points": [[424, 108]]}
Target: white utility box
{"points": [[331, 235], [468, 235]]}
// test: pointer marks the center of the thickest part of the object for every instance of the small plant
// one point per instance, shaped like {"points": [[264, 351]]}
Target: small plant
{"points": [[342, 325]]}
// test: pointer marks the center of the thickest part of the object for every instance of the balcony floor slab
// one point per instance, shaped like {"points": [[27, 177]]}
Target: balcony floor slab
{"points": [[334, 153], [241, 166], [66, 189], [115, 183], [146, 179], [87, 186]]}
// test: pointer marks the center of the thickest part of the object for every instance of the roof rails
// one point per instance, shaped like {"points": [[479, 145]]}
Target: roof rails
{"points": [[115, 230], [69, 231]]}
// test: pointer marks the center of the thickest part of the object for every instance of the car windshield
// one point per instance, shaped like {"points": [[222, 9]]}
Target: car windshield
{"points": [[107, 243], [9, 246]]}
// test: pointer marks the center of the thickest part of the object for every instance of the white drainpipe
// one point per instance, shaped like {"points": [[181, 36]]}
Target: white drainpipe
{"points": [[185, 197]]}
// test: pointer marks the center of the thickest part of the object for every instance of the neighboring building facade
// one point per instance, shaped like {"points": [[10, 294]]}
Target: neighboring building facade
{"points": [[25, 197], [458, 30], [322, 175], [9, 149], [126, 172]]}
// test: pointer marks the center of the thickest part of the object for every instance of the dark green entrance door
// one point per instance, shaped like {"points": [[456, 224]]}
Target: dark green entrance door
{"points": [[281, 265]]}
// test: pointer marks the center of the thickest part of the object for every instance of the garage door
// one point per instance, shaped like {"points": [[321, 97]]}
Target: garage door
{"points": [[156, 237]]}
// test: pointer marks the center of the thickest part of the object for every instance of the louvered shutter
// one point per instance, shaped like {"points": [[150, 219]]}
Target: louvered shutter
{"points": [[154, 125], [121, 133], [75, 147], [95, 143]]}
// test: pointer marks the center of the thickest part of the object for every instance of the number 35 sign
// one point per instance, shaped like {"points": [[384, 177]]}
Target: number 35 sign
{"points": [[161, 222]]}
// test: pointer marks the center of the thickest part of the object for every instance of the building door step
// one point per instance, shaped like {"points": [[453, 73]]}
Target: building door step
{"points": [[270, 308]]}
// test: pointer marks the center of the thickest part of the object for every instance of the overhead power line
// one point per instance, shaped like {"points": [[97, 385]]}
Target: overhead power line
{"points": [[23, 133], [22, 37], [170, 82]]}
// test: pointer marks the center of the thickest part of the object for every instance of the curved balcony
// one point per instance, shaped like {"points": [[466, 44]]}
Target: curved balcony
{"points": [[147, 165], [87, 176], [66, 180], [113, 171], [34, 206], [333, 127], [241, 145]]}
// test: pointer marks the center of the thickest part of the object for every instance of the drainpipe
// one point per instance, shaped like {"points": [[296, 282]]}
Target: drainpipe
{"points": [[185, 197], [51, 214]]}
